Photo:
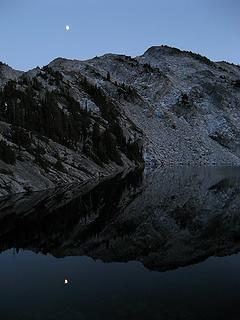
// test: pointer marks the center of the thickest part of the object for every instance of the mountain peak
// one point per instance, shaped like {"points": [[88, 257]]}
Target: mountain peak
{"points": [[171, 106], [7, 73], [162, 49]]}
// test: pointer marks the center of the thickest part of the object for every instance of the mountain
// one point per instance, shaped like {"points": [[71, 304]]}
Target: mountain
{"points": [[7, 73], [73, 120]]}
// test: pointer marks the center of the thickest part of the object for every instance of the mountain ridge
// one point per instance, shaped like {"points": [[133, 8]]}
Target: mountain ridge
{"points": [[110, 113]]}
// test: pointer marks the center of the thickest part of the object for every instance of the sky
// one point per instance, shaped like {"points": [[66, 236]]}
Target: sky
{"points": [[32, 32]]}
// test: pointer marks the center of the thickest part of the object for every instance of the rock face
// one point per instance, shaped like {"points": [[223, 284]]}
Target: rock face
{"points": [[75, 120]]}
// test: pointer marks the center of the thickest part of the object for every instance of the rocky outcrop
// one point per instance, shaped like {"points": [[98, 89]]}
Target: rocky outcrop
{"points": [[75, 120]]}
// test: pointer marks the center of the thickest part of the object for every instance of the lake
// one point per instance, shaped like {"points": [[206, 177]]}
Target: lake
{"points": [[162, 245]]}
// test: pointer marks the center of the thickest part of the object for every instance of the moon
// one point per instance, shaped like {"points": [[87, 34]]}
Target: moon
{"points": [[67, 27]]}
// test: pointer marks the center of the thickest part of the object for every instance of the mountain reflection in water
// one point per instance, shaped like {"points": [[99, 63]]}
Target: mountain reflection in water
{"points": [[170, 218]]}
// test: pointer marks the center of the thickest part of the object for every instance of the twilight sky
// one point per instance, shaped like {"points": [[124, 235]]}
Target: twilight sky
{"points": [[33, 32]]}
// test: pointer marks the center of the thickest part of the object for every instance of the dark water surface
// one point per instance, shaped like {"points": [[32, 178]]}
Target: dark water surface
{"points": [[163, 246]]}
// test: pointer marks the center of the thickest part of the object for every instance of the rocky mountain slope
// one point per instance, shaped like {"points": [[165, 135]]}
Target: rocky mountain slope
{"points": [[7, 73], [76, 120]]}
